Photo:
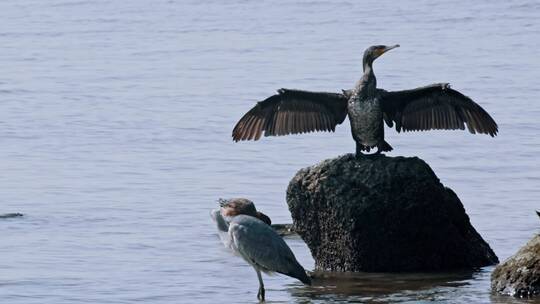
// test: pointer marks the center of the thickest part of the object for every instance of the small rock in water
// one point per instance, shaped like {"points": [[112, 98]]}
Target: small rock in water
{"points": [[10, 215], [284, 229], [519, 275]]}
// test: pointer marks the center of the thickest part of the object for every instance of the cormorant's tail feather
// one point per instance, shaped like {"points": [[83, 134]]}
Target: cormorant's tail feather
{"points": [[385, 147]]}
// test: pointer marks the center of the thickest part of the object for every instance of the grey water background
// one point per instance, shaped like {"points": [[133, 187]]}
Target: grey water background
{"points": [[115, 121]]}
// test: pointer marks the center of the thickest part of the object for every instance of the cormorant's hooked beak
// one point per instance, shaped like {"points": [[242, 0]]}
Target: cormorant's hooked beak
{"points": [[388, 48]]}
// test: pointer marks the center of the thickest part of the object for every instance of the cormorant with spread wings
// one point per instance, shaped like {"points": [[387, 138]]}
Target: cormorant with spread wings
{"points": [[435, 106]]}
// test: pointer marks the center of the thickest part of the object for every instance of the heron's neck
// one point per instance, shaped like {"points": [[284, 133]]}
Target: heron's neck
{"points": [[222, 224]]}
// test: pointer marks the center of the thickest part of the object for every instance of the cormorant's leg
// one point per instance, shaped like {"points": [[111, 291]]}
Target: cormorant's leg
{"points": [[380, 149], [260, 294], [359, 148]]}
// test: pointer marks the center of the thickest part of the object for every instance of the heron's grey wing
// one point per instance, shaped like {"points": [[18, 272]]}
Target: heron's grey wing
{"points": [[262, 247], [292, 112], [435, 106]]}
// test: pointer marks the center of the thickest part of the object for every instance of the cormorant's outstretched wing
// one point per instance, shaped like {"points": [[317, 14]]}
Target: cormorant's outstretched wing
{"points": [[291, 112], [435, 106]]}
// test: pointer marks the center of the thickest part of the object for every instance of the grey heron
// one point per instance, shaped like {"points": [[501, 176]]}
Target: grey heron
{"points": [[244, 230]]}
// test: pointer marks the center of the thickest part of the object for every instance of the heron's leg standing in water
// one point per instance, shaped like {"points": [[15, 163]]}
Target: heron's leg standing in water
{"points": [[260, 294]]}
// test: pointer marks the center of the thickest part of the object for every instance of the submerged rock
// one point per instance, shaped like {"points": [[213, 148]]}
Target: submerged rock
{"points": [[383, 214], [519, 275], [10, 215], [284, 229]]}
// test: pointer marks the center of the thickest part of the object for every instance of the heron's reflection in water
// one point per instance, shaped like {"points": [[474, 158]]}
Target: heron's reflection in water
{"points": [[385, 287]]}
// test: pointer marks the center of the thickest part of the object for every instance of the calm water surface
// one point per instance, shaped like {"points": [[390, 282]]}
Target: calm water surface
{"points": [[115, 121]]}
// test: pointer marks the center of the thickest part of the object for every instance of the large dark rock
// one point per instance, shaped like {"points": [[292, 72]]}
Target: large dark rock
{"points": [[519, 275], [387, 214]]}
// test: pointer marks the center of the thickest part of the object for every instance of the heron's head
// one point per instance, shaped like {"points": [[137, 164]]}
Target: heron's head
{"points": [[375, 51], [237, 206]]}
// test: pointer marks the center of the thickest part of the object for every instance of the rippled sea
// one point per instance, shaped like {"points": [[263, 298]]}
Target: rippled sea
{"points": [[115, 122]]}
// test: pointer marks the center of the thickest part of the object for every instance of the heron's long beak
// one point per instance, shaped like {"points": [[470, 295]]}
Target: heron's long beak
{"points": [[222, 202]]}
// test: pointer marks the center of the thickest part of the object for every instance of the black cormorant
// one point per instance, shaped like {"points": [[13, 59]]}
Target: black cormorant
{"points": [[435, 106]]}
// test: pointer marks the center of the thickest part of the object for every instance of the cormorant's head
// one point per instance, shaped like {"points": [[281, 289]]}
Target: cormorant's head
{"points": [[237, 206], [373, 52]]}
